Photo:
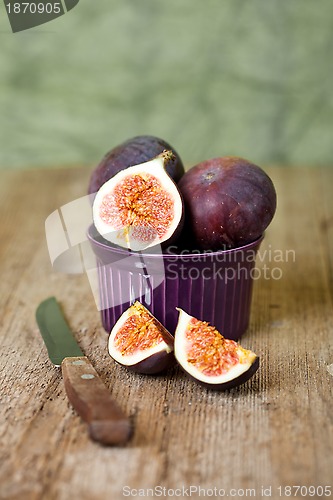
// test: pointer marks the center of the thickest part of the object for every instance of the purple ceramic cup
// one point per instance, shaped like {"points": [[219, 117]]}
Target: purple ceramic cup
{"points": [[211, 286]]}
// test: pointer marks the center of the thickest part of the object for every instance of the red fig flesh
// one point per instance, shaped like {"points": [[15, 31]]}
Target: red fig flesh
{"points": [[133, 152], [208, 357], [229, 202], [140, 342], [139, 207]]}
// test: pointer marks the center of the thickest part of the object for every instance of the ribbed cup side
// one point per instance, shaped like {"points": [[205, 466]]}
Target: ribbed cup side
{"points": [[213, 291]]}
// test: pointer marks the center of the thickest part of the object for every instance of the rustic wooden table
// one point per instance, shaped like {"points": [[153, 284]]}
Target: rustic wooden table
{"points": [[274, 432]]}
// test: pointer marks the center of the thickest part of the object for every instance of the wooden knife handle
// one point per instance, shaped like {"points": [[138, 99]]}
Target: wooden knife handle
{"points": [[93, 402]]}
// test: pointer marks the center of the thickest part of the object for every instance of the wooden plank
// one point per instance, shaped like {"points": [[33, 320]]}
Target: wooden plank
{"points": [[275, 430]]}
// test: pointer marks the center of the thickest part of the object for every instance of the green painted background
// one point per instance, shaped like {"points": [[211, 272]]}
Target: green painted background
{"points": [[252, 78]]}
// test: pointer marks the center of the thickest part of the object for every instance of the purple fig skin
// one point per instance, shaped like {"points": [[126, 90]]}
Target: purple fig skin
{"points": [[244, 377], [229, 202], [133, 152], [154, 364]]}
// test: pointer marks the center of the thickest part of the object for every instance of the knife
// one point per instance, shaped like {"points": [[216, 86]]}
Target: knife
{"points": [[85, 390]]}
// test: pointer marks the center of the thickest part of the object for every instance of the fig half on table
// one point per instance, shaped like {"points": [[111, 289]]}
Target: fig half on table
{"points": [[140, 342], [208, 357]]}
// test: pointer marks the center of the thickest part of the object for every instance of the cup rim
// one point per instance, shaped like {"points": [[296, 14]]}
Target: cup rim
{"points": [[174, 256]]}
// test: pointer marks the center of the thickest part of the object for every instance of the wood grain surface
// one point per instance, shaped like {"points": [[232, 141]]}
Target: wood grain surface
{"points": [[276, 430]]}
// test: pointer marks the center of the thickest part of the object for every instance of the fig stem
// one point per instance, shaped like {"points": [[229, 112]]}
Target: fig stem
{"points": [[167, 156]]}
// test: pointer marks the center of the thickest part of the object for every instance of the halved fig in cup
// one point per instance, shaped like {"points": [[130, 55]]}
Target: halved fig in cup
{"points": [[208, 357], [140, 206], [140, 342]]}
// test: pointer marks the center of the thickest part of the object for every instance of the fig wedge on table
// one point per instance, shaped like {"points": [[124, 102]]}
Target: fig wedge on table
{"points": [[140, 342], [208, 357]]}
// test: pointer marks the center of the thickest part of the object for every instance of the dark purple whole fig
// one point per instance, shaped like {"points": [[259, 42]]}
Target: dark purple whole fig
{"points": [[228, 202], [133, 152], [140, 342], [209, 358]]}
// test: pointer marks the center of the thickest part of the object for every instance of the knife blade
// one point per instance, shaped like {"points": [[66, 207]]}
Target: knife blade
{"points": [[85, 390]]}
